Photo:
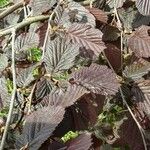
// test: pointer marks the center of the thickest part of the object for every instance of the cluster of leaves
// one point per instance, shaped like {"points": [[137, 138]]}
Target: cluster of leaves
{"points": [[3, 2], [82, 74]]}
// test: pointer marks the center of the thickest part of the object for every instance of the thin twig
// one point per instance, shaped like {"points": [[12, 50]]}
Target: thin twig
{"points": [[119, 24], [91, 3], [25, 12], [26, 22], [87, 2], [45, 41], [10, 10], [49, 29], [121, 40], [29, 11], [30, 98], [13, 92]]}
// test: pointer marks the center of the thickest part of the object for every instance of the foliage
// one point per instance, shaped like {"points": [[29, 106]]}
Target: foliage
{"points": [[76, 74], [34, 55], [69, 135], [3, 2]]}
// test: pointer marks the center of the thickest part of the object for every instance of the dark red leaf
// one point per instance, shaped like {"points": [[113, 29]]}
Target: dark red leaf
{"points": [[139, 42], [98, 14], [39, 7], [130, 135], [113, 54], [141, 96], [87, 37], [83, 142], [39, 127], [97, 79]]}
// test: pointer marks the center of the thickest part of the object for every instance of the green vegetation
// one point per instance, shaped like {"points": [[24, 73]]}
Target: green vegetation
{"points": [[3, 2], [70, 135], [9, 85], [34, 55]]}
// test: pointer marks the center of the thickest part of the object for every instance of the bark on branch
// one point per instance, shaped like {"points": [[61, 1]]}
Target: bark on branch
{"points": [[22, 24], [10, 10]]}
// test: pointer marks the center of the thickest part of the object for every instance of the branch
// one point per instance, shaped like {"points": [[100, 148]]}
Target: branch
{"points": [[13, 92], [87, 2], [10, 10], [20, 25]]}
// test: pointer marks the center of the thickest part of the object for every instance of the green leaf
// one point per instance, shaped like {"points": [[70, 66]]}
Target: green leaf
{"points": [[9, 85], [70, 135], [3, 2], [34, 54]]}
